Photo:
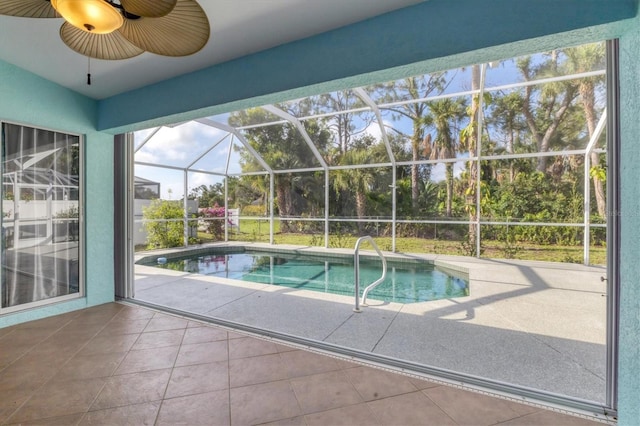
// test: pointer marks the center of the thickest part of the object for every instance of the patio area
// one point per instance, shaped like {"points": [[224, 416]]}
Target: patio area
{"points": [[118, 364], [537, 325]]}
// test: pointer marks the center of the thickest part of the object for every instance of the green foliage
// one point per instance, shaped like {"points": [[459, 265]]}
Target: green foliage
{"points": [[208, 196], [164, 234], [469, 247], [253, 210], [568, 258], [316, 240], [510, 247], [341, 238], [599, 172]]}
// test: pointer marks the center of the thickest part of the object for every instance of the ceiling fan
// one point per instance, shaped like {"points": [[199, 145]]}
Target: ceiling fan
{"points": [[121, 29]]}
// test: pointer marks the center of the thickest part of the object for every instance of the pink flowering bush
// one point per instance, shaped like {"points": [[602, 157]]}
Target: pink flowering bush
{"points": [[214, 220]]}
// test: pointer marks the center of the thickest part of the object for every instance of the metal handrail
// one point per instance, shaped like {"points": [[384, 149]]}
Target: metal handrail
{"points": [[356, 271]]}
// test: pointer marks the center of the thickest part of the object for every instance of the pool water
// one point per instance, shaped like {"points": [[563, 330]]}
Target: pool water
{"points": [[405, 282]]}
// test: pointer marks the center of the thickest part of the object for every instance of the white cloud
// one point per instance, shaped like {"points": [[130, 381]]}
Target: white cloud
{"points": [[374, 130], [180, 145]]}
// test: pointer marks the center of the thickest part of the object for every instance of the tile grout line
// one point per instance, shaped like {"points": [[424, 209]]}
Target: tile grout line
{"points": [[364, 401], [422, 391], [295, 394], [164, 394], [107, 377], [34, 345]]}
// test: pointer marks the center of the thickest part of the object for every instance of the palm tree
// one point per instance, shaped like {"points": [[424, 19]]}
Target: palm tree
{"points": [[416, 88], [444, 116], [358, 180], [469, 138], [583, 59]]}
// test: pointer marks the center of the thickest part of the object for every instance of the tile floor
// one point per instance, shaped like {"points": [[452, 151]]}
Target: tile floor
{"points": [[118, 364]]}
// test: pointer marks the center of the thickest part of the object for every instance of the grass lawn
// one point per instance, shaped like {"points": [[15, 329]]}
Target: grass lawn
{"points": [[258, 231]]}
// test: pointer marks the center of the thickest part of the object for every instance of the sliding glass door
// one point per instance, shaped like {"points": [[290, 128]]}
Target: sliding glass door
{"points": [[41, 216]]}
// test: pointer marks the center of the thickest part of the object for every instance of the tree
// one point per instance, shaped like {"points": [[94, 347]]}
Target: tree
{"points": [[469, 140], [283, 148], [342, 126], [445, 115], [358, 180], [583, 59], [208, 196], [545, 114], [415, 88], [506, 116]]}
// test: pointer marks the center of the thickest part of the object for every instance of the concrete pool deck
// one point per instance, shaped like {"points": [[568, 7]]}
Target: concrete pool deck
{"points": [[540, 325]]}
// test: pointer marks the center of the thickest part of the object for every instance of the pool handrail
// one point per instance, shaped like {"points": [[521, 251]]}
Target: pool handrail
{"points": [[356, 271]]}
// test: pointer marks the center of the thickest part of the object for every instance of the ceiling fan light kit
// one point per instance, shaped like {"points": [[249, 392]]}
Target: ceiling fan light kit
{"points": [[94, 16], [121, 29]]}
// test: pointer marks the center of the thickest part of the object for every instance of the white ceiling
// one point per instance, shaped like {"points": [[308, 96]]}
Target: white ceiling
{"points": [[238, 28]]}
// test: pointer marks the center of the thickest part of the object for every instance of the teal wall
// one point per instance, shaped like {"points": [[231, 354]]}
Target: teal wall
{"points": [[629, 341], [432, 35], [31, 100]]}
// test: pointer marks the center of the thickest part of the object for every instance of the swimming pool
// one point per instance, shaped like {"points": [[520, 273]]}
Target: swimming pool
{"points": [[405, 282]]}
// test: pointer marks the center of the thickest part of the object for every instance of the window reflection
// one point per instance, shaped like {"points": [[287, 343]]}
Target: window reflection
{"points": [[40, 215]]}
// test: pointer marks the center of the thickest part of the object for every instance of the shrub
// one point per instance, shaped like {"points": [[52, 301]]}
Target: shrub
{"points": [[164, 234], [215, 222]]}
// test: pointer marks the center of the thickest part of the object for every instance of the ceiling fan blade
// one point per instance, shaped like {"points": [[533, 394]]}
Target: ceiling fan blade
{"points": [[28, 9], [149, 8], [100, 46], [182, 32]]}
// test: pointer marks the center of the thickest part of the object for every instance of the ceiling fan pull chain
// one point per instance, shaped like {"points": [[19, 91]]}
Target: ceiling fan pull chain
{"points": [[88, 71]]}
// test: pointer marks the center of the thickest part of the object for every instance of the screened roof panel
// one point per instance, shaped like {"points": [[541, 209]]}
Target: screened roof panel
{"points": [[438, 132], [248, 117], [410, 88], [242, 160], [318, 131], [215, 160], [141, 136], [281, 146], [509, 132], [179, 146], [342, 133], [323, 104], [580, 59]]}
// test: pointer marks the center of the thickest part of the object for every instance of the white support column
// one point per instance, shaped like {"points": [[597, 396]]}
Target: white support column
{"points": [[587, 188], [226, 208], [271, 212], [394, 198], [185, 206], [586, 209], [326, 208], [362, 94], [483, 72]]}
